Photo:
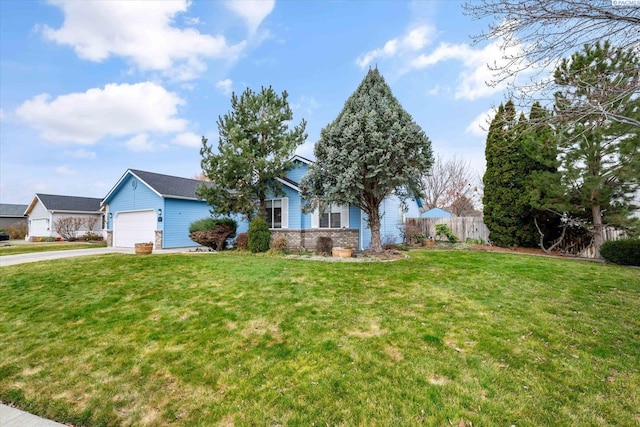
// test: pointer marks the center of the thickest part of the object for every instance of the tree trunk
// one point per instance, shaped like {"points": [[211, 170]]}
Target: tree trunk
{"points": [[598, 237], [374, 225]]}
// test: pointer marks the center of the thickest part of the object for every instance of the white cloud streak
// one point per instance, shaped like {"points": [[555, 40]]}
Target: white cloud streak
{"points": [[116, 110], [225, 86], [414, 40], [142, 32], [253, 12]]}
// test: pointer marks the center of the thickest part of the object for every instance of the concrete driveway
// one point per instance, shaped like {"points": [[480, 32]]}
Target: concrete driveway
{"points": [[8, 260]]}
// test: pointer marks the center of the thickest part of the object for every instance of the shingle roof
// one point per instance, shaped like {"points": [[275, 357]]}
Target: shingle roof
{"points": [[69, 203], [10, 210], [169, 186]]}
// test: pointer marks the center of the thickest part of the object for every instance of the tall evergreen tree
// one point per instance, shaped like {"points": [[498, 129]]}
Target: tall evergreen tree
{"points": [[515, 152], [600, 157], [255, 147], [371, 150]]}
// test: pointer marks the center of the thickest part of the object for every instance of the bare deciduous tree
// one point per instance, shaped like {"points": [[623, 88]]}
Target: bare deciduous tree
{"points": [[543, 32], [450, 185], [68, 227]]}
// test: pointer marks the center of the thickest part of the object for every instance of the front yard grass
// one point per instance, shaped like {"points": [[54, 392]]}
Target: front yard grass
{"points": [[26, 248], [441, 338]]}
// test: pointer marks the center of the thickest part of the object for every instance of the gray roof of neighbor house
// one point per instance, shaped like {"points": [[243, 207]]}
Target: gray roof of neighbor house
{"points": [[169, 186], [9, 210], [54, 202]]}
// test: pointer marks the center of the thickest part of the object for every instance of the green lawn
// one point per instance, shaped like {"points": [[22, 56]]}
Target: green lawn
{"points": [[25, 248], [238, 339]]}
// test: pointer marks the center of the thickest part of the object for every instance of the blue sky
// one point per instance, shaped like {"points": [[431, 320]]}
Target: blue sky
{"points": [[89, 89]]}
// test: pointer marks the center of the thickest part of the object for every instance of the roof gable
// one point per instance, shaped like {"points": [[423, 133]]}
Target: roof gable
{"points": [[163, 185], [55, 202]]}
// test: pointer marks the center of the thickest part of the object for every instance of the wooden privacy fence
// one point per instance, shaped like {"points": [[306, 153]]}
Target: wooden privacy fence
{"points": [[462, 226]]}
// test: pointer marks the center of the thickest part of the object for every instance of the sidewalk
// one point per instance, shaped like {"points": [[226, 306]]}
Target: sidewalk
{"points": [[12, 417]]}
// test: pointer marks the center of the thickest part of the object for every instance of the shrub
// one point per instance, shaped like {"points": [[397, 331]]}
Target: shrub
{"points": [[49, 239], [324, 245], [212, 232], [18, 231], [90, 235], [444, 230], [259, 235], [623, 252], [68, 227], [473, 241], [242, 242], [279, 243]]}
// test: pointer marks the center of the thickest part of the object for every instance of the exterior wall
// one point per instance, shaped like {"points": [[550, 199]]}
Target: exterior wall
{"points": [[298, 172], [433, 213], [127, 198], [37, 213], [306, 240], [177, 216], [84, 229], [391, 221]]}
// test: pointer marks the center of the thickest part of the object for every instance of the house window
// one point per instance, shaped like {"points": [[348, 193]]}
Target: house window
{"points": [[274, 213], [331, 217]]}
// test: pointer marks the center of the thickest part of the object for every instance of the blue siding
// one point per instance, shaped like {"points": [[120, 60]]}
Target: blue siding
{"points": [[126, 198], [436, 213], [178, 215], [354, 217], [298, 172]]}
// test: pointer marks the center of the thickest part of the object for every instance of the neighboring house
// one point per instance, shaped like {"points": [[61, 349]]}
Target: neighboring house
{"points": [[436, 213], [151, 207], [345, 225], [45, 209], [12, 214]]}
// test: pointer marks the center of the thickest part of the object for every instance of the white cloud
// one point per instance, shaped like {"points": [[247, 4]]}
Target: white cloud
{"points": [[116, 110], [414, 40], [82, 154], [188, 139], [65, 170], [140, 143], [475, 72], [142, 32], [480, 125], [225, 86], [306, 105], [253, 12]]}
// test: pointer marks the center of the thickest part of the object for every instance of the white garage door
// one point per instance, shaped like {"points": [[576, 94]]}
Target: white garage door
{"points": [[39, 227], [134, 227]]}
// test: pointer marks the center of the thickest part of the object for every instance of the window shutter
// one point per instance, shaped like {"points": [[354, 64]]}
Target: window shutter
{"points": [[315, 218], [285, 212], [344, 216]]}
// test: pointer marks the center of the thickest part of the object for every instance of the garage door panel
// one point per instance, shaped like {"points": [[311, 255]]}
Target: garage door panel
{"points": [[134, 227], [39, 227]]}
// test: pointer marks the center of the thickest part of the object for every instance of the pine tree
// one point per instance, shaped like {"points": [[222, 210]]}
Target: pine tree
{"points": [[372, 150], [255, 147], [600, 157]]}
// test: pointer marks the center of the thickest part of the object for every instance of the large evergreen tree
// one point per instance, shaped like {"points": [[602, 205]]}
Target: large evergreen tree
{"points": [[600, 157], [255, 147], [371, 150], [515, 152]]}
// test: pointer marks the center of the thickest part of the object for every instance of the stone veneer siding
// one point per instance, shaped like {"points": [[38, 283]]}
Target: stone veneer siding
{"points": [[307, 240]]}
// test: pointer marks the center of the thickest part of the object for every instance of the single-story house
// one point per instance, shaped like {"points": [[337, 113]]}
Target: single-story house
{"points": [[436, 213], [151, 207], [345, 225], [11, 214], [45, 209]]}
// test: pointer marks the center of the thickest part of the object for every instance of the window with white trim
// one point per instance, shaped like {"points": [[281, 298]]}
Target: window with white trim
{"points": [[276, 212], [331, 216]]}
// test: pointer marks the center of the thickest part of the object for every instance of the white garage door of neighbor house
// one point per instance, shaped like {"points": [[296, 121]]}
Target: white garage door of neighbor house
{"points": [[134, 227], [39, 227]]}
